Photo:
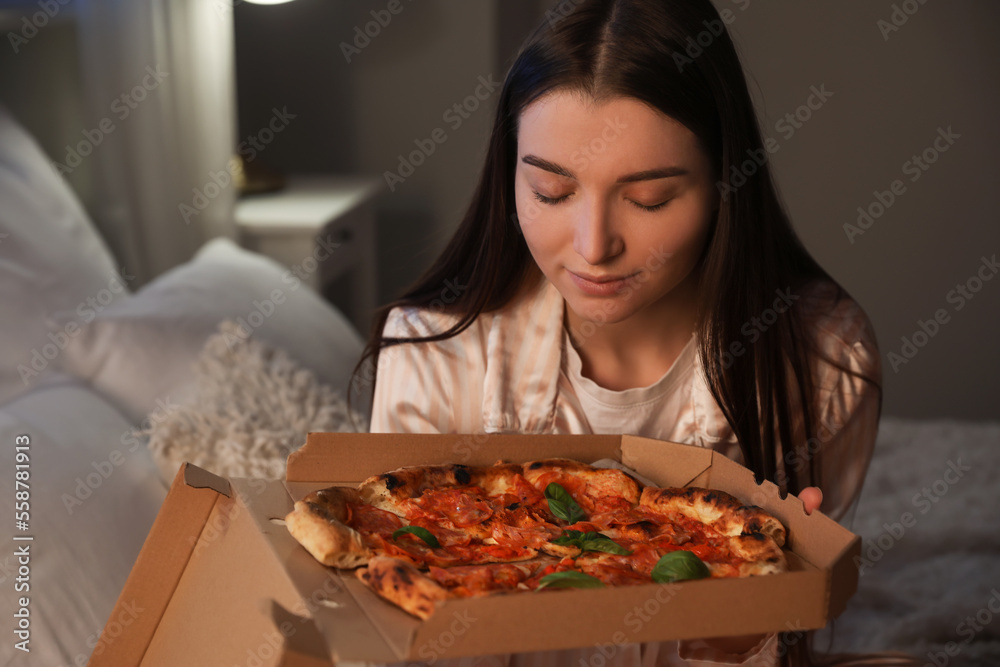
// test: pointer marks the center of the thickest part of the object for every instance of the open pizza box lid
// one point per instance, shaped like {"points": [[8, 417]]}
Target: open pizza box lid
{"points": [[221, 581]]}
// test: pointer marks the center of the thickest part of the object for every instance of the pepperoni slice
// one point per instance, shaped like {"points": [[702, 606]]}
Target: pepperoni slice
{"points": [[446, 536], [528, 494], [473, 580], [613, 504], [612, 573], [370, 520], [513, 536], [463, 506]]}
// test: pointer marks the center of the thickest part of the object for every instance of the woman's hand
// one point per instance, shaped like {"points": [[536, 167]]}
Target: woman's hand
{"points": [[811, 498]]}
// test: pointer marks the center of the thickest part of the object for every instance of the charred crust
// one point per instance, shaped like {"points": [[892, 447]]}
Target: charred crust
{"points": [[725, 501], [536, 465], [462, 475], [647, 527], [513, 506], [755, 535], [319, 510], [709, 497], [391, 481], [404, 575]]}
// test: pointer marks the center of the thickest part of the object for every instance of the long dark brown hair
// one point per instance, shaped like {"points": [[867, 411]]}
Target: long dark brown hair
{"points": [[677, 57]]}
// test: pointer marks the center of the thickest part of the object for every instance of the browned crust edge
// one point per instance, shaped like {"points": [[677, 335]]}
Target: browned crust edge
{"points": [[717, 508], [318, 523], [599, 481], [402, 584], [762, 554]]}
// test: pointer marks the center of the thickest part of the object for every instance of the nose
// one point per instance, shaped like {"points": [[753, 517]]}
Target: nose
{"points": [[595, 235]]}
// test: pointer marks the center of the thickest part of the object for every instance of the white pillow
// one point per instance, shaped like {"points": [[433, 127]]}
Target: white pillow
{"points": [[140, 352], [51, 259], [94, 493]]}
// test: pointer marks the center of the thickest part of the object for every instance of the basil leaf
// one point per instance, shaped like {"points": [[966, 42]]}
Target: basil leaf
{"points": [[422, 533], [569, 579], [590, 542], [679, 566], [569, 538], [607, 545], [562, 504], [595, 536]]}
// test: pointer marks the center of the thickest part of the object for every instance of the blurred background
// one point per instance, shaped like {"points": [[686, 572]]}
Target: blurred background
{"points": [[169, 165], [368, 82]]}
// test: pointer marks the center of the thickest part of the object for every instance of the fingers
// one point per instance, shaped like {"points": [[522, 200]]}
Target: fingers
{"points": [[811, 498]]}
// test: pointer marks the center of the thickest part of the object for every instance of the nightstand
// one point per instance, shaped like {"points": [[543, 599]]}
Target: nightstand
{"points": [[323, 228]]}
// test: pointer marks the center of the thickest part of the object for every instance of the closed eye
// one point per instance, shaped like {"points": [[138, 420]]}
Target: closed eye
{"points": [[549, 200], [650, 209]]}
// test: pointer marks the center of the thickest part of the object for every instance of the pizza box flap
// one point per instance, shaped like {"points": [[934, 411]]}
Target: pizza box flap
{"points": [[646, 456], [189, 596], [161, 563]]}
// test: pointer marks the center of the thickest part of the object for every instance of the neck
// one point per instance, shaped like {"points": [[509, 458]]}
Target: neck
{"points": [[638, 351]]}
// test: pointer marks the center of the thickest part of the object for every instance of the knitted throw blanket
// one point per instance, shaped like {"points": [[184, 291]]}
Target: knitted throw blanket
{"points": [[253, 406]]}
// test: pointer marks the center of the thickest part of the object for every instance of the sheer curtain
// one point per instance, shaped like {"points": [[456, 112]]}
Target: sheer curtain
{"points": [[159, 86]]}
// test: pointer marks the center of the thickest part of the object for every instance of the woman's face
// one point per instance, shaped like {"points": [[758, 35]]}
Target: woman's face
{"points": [[615, 201]]}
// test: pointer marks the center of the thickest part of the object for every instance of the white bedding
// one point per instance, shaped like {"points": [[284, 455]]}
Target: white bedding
{"points": [[88, 515]]}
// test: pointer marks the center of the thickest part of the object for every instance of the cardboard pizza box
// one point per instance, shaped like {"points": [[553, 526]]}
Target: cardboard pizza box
{"points": [[220, 581]]}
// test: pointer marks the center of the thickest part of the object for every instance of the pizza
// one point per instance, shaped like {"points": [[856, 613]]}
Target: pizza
{"points": [[420, 535]]}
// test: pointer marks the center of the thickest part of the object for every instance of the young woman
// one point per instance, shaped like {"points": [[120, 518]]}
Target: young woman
{"points": [[626, 266]]}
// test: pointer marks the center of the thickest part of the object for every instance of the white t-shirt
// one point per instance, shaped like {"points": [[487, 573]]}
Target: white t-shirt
{"points": [[652, 409]]}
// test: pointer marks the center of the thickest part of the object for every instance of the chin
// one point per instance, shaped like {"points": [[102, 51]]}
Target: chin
{"points": [[604, 311]]}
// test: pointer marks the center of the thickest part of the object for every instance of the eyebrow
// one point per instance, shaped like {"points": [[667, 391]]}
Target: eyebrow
{"points": [[647, 175]]}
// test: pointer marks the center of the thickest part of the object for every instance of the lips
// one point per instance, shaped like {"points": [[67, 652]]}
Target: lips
{"points": [[600, 285], [601, 280]]}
